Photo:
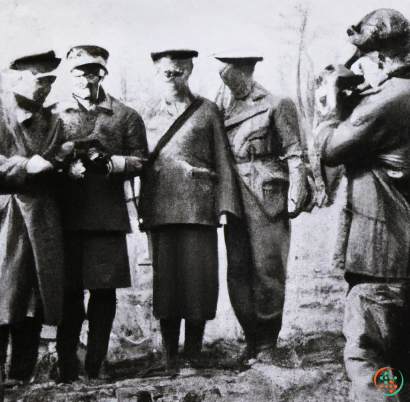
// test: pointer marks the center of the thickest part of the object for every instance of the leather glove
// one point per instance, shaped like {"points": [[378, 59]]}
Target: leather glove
{"points": [[298, 186], [97, 162]]}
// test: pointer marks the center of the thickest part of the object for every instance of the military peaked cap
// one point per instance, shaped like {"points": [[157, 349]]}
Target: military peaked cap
{"points": [[239, 56], [174, 54], [37, 63], [87, 54]]}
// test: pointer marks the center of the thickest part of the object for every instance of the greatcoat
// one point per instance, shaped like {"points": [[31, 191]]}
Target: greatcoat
{"points": [[182, 197], [31, 256], [374, 145]]}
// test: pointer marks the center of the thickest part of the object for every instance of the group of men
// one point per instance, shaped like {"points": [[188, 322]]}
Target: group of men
{"points": [[64, 217], [237, 163]]}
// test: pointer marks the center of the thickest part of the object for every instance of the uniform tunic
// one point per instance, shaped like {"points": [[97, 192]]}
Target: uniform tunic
{"points": [[31, 246], [262, 132], [182, 195]]}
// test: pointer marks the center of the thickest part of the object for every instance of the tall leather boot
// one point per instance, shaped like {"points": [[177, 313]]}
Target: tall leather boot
{"points": [[170, 338], [194, 333]]}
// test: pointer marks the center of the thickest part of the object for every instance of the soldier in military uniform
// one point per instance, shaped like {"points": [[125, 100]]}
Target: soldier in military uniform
{"points": [[110, 137], [264, 139], [187, 186], [31, 244], [369, 135]]}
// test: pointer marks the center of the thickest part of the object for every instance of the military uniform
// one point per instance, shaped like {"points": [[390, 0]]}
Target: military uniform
{"points": [[31, 244], [95, 219], [373, 144], [263, 132]]}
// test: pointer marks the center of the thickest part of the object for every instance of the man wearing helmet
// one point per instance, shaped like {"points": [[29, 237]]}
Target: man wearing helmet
{"points": [[370, 136]]}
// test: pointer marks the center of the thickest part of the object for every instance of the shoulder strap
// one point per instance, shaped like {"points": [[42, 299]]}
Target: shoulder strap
{"points": [[173, 129]]}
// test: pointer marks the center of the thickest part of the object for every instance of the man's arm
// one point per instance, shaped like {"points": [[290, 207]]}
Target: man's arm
{"points": [[286, 120], [227, 196], [15, 170], [135, 147], [364, 134]]}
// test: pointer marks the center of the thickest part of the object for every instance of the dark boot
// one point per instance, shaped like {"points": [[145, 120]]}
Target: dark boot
{"points": [[194, 333], [170, 338], [266, 340], [68, 333], [100, 313], [25, 341]]}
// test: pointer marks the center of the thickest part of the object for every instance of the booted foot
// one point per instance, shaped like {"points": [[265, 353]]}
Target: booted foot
{"points": [[91, 381], [266, 355]]}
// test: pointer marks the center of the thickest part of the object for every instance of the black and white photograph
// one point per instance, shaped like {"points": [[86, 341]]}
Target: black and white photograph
{"points": [[204, 201]]}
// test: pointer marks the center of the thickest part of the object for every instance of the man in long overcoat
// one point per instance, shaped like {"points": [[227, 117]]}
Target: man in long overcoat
{"points": [[108, 143], [264, 140], [373, 143], [31, 249], [186, 187]]}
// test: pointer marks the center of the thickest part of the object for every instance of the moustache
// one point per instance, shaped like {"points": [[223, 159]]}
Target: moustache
{"points": [[174, 74]]}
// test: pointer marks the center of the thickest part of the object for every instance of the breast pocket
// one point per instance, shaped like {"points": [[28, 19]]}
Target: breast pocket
{"points": [[252, 138]]}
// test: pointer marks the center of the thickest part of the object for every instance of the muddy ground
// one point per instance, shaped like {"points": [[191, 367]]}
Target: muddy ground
{"points": [[308, 363]]}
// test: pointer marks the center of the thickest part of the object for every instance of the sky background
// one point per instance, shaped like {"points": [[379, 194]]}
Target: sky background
{"points": [[131, 29]]}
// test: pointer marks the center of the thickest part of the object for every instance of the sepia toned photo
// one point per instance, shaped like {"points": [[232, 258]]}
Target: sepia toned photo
{"points": [[204, 201]]}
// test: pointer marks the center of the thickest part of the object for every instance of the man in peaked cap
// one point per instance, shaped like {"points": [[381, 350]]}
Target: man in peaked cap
{"points": [[263, 134], [108, 144], [187, 185], [31, 245], [371, 139]]}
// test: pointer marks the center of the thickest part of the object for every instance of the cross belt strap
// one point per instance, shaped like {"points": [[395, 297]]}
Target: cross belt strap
{"points": [[173, 129]]}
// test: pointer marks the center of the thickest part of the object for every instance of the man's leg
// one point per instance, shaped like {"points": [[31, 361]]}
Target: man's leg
{"points": [[270, 248], [166, 291], [373, 314], [240, 279], [101, 313], [198, 275], [170, 328], [68, 334], [4, 343], [25, 341], [194, 333]]}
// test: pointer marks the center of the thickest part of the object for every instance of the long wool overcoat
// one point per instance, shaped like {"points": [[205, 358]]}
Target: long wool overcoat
{"points": [[374, 145], [31, 255]]}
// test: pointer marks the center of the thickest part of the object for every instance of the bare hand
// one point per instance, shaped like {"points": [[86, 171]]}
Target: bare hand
{"points": [[37, 165]]}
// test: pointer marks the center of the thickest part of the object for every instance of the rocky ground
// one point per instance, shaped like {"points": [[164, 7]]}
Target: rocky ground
{"points": [[311, 372], [308, 362]]}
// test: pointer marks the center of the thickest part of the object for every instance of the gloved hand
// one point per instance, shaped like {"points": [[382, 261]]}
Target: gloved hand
{"points": [[64, 156], [298, 186], [37, 165], [97, 162]]}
